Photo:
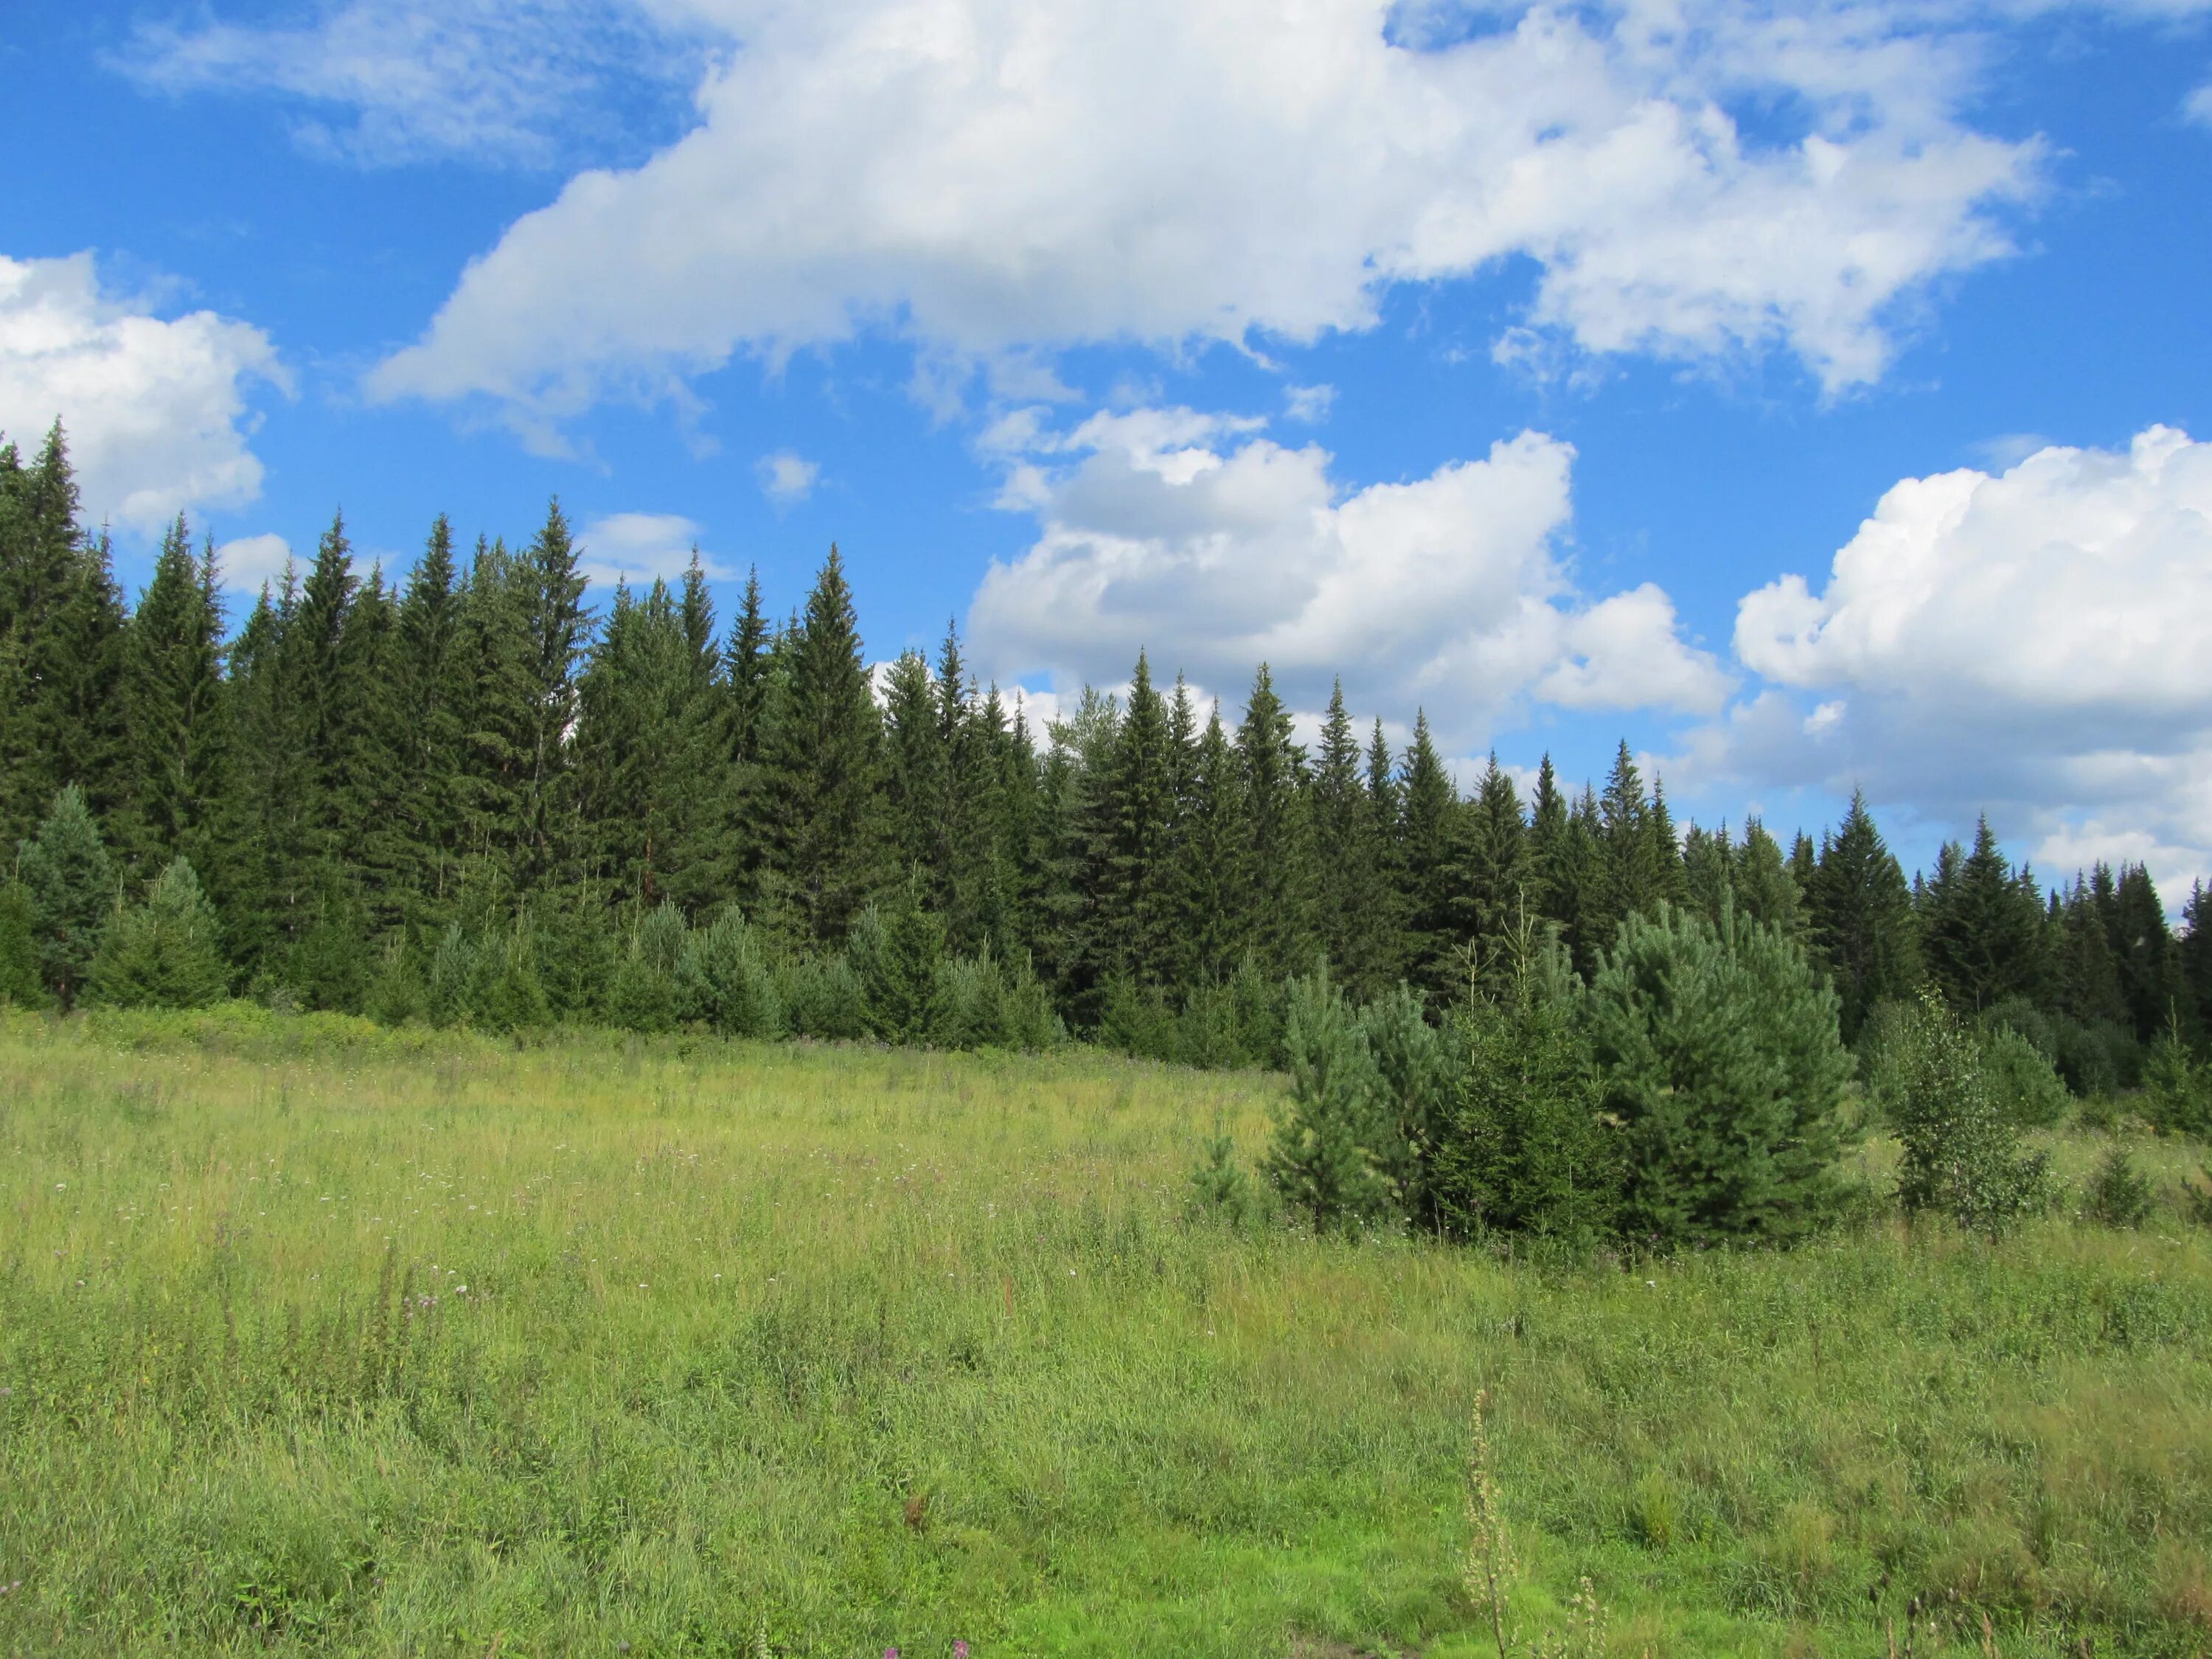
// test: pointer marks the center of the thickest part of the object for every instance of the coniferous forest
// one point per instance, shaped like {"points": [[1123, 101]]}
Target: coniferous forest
{"points": [[457, 794]]}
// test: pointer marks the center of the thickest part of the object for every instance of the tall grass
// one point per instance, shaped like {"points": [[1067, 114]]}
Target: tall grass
{"points": [[319, 1338]]}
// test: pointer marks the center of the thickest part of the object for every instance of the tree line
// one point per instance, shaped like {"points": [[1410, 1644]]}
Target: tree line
{"points": [[461, 793]]}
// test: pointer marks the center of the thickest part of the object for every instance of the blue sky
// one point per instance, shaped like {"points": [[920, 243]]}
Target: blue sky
{"points": [[1510, 363]]}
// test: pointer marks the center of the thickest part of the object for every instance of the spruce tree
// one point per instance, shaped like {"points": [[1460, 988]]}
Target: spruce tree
{"points": [[559, 632], [1428, 812], [1349, 860], [1278, 899], [1764, 888], [166, 952], [430, 687], [2145, 953], [66, 871], [1982, 927], [177, 708], [21, 983], [639, 777], [1494, 879], [1709, 870], [1210, 859], [823, 758], [916, 781], [2195, 960], [1861, 918], [61, 647], [1131, 814]]}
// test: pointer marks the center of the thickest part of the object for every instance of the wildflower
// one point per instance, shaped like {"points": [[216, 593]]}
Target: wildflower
{"points": [[959, 1650]]}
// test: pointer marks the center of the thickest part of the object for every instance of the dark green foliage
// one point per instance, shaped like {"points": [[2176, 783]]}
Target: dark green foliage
{"points": [[1417, 1077], [20, 981], [823, 997], [822, 751], [1428, 828], [331, 964], [166, 952], [2117, 1194], [1279, 869], [1331, 1153], [1961, 1153], [504, 992], [1523, 1146], [644, 994], [1719, 1055], [1129, 854], [2022, 1078], [173, 685], [1860, 914], [70, 884], [897, 950], [1355, 916], [397, 993], [2178, 1085], [1982, 927], [727, 981]]}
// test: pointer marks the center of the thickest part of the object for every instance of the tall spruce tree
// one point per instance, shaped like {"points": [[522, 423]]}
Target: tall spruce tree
{"points": [[916, 778], [823, 754], [1765, 889], [1428, 812], [174, 687], [1278, 870], [1862, 918], [560, 630], [1210, 859], [1131, 817], [1494, 888], [430, 694], [1982, 927], [1347, 858]]}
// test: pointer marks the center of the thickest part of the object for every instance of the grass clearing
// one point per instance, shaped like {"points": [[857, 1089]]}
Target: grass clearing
{"points": [[866, 1347]]}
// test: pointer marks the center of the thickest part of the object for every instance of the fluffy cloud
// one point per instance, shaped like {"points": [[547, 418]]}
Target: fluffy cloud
{"points": [[786, 479], [249, 562], [154, 411], [2037, 642], [637, 547], [500, 81], [1216, 549], [2198, 105], [988, 176]]}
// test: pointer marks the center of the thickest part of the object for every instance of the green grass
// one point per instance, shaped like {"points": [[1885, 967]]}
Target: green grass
{"points": [[730, 1310]]}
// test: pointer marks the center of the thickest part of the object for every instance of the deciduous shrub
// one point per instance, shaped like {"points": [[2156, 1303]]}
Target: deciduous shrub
{"points": [[1962, 1157]]}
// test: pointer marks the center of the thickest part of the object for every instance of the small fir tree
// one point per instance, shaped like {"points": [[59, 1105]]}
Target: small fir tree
{"points": [[1329, 1158], [66, 871], [166, 952]]}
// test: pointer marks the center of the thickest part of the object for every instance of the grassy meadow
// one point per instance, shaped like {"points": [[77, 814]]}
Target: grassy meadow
{"points": [[314, 1338]]}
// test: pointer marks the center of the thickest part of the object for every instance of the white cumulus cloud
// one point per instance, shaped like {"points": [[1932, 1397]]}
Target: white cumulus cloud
{"points": [[250, 561], [1216, 549], [989, 178], [637, 547], [2037, 642], [154, 411], [786, 479]]}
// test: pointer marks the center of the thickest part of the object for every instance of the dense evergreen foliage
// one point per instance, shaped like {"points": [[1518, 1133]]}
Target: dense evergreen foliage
{"points": [[467, 796]]}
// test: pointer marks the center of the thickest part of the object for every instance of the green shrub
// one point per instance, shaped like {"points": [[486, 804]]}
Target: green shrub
{"points": [[2117, 1194], [1135, 1019], [1718, 1052], [327, 969], [505, 993], [1330, 1157], [644, 994], [1026, 1017], [164, 953], [1961, 1151], [2026, 1090], [895, 952]]}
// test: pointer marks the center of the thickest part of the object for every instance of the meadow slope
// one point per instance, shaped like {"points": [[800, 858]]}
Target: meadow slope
{"points": [[319, 1338]]}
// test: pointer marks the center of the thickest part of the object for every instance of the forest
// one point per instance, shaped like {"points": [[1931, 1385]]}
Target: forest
{"points": [[462, 797]]}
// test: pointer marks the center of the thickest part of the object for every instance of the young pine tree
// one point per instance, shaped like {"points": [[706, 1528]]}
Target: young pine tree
{"points": [[1720, 1057]]}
